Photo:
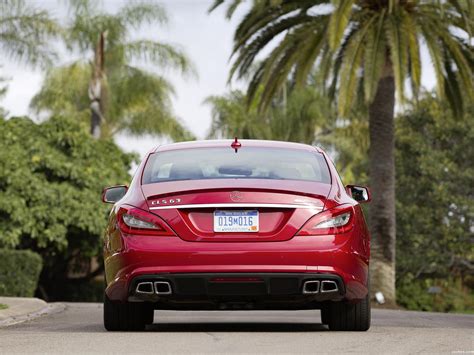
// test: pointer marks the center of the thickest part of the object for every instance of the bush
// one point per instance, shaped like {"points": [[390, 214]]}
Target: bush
{"points": [[435, 208], [51, 178], [447, 295], [19, 272]]}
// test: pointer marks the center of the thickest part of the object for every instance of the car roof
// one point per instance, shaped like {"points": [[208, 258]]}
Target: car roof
{"points": [[217, 143]]}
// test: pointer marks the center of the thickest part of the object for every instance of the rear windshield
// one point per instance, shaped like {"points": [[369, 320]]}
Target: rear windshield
{"points": [[247, 163]]}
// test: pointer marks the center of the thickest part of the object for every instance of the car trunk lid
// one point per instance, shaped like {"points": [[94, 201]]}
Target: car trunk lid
{"points": [[283, 206]]}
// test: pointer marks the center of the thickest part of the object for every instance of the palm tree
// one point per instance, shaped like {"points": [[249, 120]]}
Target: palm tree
{"points": [[296, 116], [231, 118], [366, 49], [107, 90], [138, 102], [25, 32]]}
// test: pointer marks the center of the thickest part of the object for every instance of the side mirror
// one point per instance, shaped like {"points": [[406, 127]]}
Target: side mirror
{"points": [[114, 193], [359, 193]]}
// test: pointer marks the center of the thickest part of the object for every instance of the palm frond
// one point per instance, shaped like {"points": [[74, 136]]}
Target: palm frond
{"points": [[261, 40], [339, 22], [215, 5], [351, 64], [160, 54], [392, 43], [397, 43], [25, 32], [145, 12], [410, 28], [266, 13], [375, 54]]}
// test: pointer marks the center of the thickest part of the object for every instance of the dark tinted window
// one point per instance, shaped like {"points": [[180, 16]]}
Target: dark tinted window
{"points": [[247, 163]]}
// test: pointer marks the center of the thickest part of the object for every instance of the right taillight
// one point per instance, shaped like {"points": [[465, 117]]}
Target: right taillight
{"points": [[334, 221]]}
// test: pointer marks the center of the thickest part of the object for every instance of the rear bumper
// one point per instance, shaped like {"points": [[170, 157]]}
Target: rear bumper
{"points": [[236, 290], [172, 259]]}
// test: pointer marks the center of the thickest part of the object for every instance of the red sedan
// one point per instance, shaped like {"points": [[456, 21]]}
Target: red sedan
{"points": [[229, 225]]}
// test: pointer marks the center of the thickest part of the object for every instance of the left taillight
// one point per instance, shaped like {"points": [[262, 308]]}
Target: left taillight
{"points": [[334, 221], [137, 221]]}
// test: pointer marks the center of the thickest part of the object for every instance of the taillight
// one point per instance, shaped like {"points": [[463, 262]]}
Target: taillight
{"points": [[334, 221], [136, 221]]}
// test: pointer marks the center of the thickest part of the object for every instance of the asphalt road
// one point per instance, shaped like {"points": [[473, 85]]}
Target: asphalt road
{"points": [[79, 329]]}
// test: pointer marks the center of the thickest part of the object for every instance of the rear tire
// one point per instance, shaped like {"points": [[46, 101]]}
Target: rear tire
{"points": [[348, 316], [126, 316], [325, 314], [148, 313]]}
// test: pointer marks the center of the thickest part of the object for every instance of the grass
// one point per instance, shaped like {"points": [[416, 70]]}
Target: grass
{"points": [[3, 306]]}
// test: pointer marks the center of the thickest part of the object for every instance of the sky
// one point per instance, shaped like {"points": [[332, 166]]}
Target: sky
{"points": [[206, 39]]}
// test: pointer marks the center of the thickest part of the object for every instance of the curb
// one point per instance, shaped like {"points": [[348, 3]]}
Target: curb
{"points": [[25, 309]]}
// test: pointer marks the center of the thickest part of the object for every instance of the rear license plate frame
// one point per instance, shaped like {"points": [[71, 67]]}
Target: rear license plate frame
{"points": [[236, 221]]}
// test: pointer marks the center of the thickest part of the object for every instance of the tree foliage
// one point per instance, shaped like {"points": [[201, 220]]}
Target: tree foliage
{"points": [[137, 101], [435, 192], [25, 32], [22, 279], [353, 42], [435, 208], [348, 142], [296, 115], [51, 178]]}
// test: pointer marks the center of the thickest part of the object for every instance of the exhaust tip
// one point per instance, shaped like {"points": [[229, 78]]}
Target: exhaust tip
{"points": [[311, 287], [145, 288], [329, 286], [162, 288]]}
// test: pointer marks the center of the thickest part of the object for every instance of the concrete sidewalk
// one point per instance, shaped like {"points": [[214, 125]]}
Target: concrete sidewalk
{"points": [[21, 309]]}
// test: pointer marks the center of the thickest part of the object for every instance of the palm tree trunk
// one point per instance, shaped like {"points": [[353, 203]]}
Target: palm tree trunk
{"points": [[382, 182], [96, 88]]}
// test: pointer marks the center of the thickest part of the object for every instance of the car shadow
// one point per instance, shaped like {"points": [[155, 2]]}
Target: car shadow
{"points": [[236, 327]]}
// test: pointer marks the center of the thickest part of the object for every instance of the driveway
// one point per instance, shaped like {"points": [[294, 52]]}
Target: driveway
{"points": [[78, 329]]}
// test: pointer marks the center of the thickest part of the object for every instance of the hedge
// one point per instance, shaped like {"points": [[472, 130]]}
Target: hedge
{"points": [[19, 272]]}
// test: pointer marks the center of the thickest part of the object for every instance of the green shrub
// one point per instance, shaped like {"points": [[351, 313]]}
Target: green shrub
{"points": [[19, 272], [451, 295], [51, 178]]}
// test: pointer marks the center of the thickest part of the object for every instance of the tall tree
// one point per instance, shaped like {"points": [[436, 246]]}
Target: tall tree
{"points": [[435, 181], [109, 89], [25, 31], [50, 161], [365, 48]]}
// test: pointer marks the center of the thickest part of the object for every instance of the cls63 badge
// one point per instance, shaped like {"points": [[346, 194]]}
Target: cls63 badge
{"points": [[166, 201]]}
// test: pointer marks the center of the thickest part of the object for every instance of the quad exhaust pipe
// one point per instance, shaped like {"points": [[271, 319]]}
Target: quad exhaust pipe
{"points": [[315, 286], [329, 286], [145, 288], [310, 287], [162, 288], [151, 288]]}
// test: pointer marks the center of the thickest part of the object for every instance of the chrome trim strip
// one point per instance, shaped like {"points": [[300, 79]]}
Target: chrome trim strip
{"points": [[239, 205]]}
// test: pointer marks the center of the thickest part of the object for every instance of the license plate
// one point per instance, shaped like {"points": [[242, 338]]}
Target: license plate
{"points": [[235, 221]]}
